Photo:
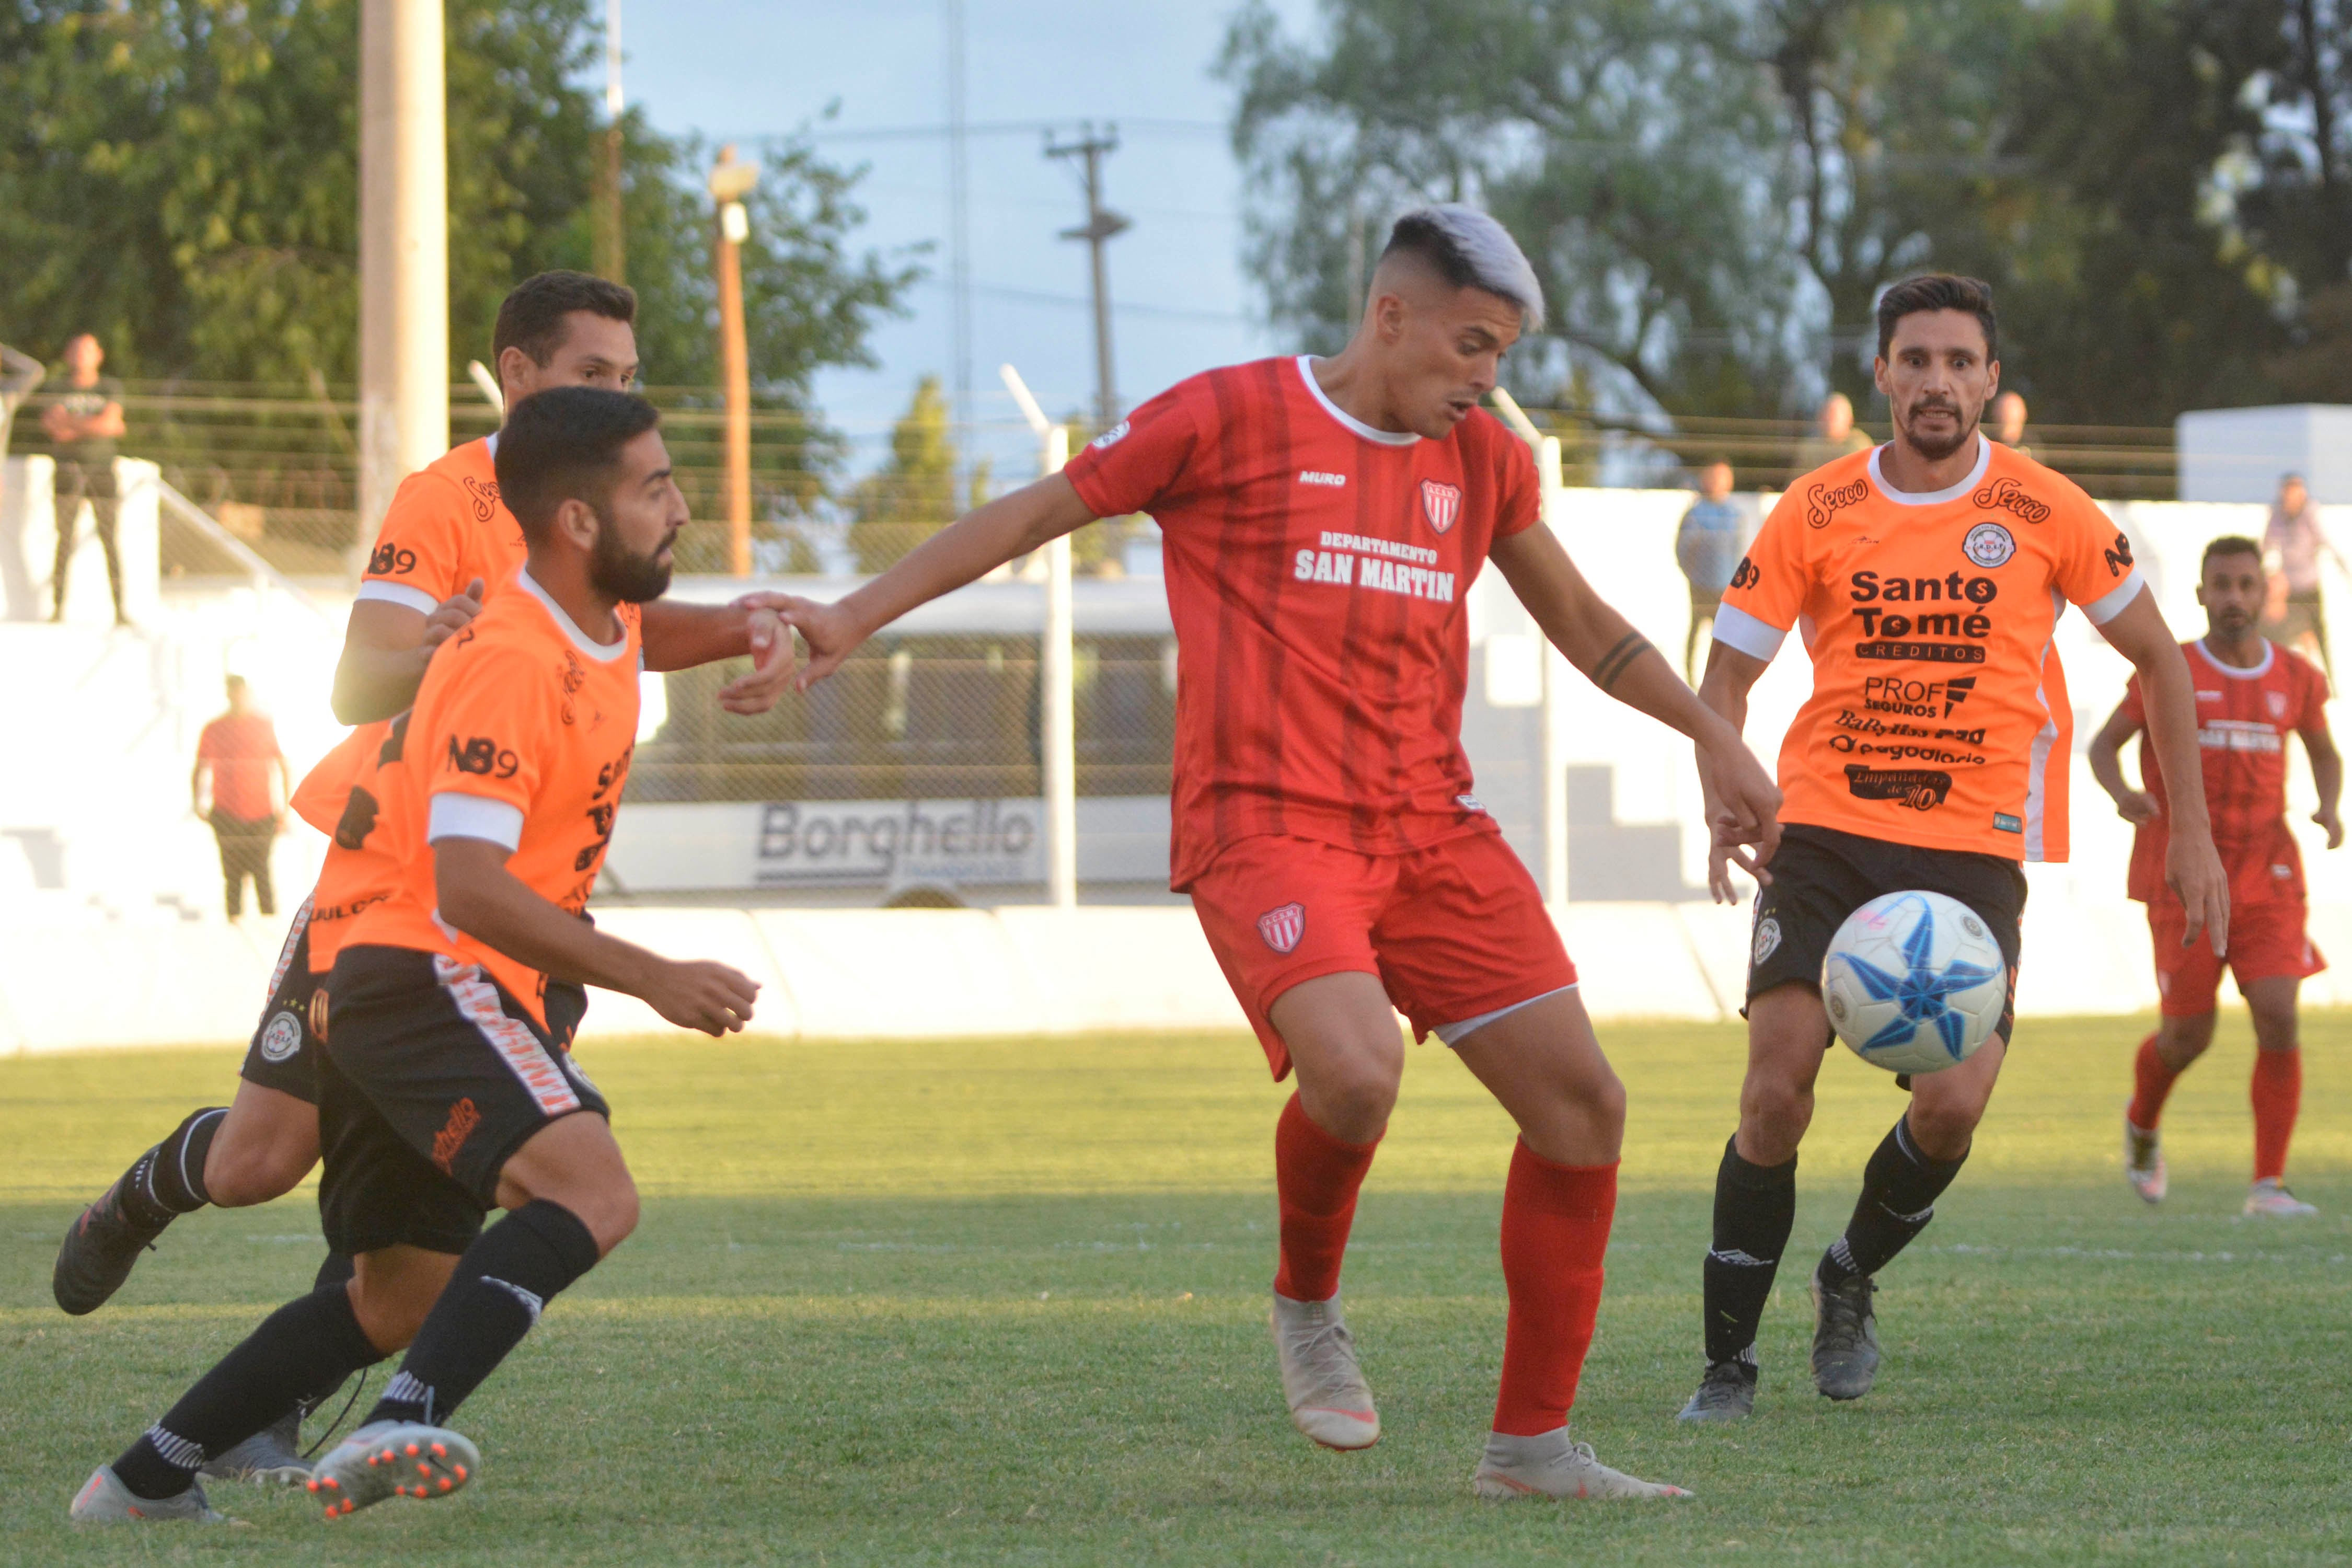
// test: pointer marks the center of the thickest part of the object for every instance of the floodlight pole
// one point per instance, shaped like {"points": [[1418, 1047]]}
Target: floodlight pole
{"points": [[730, 182], [404, 421], [1101, 225], [1057, 738], [612, 233]]}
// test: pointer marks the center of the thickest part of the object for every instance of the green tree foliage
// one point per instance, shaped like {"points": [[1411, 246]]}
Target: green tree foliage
{"points": [[2161, 190], [913, 494]]}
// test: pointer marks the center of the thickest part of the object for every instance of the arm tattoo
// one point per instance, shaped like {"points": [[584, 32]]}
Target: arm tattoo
{"points": [[1619, 659]]}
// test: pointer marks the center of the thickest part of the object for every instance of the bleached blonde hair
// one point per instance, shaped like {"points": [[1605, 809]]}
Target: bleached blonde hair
{"points": [[1471, 250]]}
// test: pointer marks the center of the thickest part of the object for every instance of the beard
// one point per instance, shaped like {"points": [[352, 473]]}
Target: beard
{"points": [[1939, 448], [632, 579]]}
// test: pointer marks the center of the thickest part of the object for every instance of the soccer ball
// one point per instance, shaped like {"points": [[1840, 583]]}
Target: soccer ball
{"points": [[1913, 982]]}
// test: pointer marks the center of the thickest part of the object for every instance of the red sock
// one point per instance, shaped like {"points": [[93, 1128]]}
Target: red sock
{"points": [[1315, 1177], [2151, 1083], [2277, 1094], [1555, 1231]]}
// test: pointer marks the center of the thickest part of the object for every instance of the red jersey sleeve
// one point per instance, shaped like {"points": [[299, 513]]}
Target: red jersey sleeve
{"points": [[1770, 586], [208, 744], [487, 740], [2134, 707], [422, 547], [2094, 568], [1141, 459]]}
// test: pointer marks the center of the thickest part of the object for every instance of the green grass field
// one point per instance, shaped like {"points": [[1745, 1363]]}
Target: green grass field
{"points": [[1005, 1303]]}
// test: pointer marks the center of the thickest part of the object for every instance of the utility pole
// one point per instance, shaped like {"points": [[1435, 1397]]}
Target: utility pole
{"points": [[1101, 224], [612, 231], [730, 182], [404, 251], [959, 238]]}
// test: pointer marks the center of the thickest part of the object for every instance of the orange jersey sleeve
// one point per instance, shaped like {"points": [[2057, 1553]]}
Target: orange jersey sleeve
{"points": [[318, 798], [446, 527]]}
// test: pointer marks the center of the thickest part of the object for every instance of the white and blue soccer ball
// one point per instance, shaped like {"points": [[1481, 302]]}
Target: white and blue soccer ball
{"points": [[1913, 982]]}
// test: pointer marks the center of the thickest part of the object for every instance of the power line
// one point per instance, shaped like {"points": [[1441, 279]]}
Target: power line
{"points": [[986, 128]]}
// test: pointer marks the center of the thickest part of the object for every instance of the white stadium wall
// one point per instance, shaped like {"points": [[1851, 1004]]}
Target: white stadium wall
{"points": [[108, 892]]}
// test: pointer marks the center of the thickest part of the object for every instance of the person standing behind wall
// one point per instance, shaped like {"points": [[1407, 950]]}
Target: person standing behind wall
{"points": [[1708, 547], [2292, 545], [236, 756], [85, 419], [1834, 435]]}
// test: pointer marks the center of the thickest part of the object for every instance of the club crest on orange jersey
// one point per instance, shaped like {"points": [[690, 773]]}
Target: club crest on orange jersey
{"points": [[1441, 503], [1282, 928]]}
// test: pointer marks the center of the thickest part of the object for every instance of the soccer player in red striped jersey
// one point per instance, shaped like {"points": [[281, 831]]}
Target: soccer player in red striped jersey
{"points": [[1322, 520], [2251, 693]]}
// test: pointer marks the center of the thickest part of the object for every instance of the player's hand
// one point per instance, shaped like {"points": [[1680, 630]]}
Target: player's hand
{"points": [[772, 661], [710, 997], [2326, 816], [2138, 808], [451, 615], [1743, 816], [831, 633], [2192, 869]]}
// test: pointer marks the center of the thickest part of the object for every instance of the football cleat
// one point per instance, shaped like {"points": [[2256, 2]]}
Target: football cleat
{"points": [[2271, 1198], [1845, 1337], [1727, 1393], [1330, 1400], [271, 1456], [393, 1458], [2144, 1161], [104, 1500], [98, 1254], [1549, 1465]]}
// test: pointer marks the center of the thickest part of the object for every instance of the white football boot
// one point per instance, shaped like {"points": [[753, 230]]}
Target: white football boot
{"points": [[2271, 1200], [104, 1500], [1330, 1400], [393, 1458], [2144, 1161], [1551, 1465]]}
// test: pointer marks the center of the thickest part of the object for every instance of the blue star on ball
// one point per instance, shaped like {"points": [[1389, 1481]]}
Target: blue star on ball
{"points": [[1923, 992]]}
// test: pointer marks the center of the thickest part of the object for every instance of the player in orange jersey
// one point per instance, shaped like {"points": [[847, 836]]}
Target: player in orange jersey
{"points": [[1925, 578], [2251, 693], [1323, 520], [447, 542], [445, 1093]]}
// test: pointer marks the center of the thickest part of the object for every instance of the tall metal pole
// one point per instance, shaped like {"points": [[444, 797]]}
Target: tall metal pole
{"points": [[1101, 225], [730, 182], [611, 230], [959, 232], [1058, 670], [404, 251]]}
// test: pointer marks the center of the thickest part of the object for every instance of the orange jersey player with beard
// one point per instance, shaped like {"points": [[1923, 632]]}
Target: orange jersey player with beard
{"points": [[2252, 694]]}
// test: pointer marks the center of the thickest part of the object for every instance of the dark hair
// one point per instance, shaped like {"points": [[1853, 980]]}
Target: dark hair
{"points": [[2228, 544], [562, 445], [531, 316], [1939, 291]]}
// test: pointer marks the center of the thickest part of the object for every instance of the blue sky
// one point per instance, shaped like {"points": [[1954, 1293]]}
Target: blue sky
{"points": [[741, 68]]}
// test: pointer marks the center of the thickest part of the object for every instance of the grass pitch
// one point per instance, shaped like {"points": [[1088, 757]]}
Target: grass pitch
{"points": [[1005, 1302]]}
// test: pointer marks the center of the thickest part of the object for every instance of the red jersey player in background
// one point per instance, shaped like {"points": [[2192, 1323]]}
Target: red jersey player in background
{"points": [[2249, 693], [1322, 522]]}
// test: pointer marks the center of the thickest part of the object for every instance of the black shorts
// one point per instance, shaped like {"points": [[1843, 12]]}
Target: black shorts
{"points": [[1820, 876], [434, 1075], [286, 1050]]}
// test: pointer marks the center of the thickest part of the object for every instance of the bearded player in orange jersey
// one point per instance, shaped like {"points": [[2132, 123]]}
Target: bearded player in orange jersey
{"points": [[2251, 694], [1323, 519], [1927, 576], [448, 544]]}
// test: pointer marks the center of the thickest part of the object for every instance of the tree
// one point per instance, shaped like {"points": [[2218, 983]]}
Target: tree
{"points": [[913, 494]]}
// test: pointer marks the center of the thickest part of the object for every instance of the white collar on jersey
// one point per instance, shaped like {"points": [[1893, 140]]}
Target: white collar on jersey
{"points": [[491, 445], [2270, 656], [1355, 426], [604, 651], [1932, 497]]}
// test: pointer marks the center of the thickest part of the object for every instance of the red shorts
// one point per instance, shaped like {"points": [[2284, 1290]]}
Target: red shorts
{"points": [[2266, 942], [1452, 930]]}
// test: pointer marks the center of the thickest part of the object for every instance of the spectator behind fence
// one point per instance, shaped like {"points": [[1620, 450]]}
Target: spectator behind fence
{"points": [[235, 759], [2009, 423], [1833, 436], [2292, 545], [84, 417], [20, 374], [1708, 547]]}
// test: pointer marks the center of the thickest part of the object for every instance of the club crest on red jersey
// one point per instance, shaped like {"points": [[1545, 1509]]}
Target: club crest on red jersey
{"points": [[1282, 928], [1441, 503], [2277, 700]]}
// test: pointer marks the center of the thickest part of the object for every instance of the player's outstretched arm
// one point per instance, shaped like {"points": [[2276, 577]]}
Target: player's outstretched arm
{"points": [[974, 544], [2134, 806], [1743, 804], [481, 897], [2327, 776], [386, 648], [680, 636], [2191, 866]]}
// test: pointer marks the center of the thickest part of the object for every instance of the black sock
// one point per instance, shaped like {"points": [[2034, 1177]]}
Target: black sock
{"points": [[512, 1270], [311, 1341], [1755, 1206], [168, 1180], [1899, 1189]]}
